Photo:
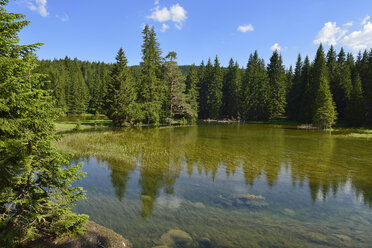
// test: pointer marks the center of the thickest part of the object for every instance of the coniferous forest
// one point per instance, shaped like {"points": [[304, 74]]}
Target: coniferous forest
{"points": [[335, 87], [196, 178]]}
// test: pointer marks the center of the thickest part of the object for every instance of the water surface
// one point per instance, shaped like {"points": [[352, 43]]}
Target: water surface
{"points": [[229, 185]]}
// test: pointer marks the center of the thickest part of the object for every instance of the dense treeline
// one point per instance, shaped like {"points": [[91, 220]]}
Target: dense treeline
{"points": [[334, 87]]}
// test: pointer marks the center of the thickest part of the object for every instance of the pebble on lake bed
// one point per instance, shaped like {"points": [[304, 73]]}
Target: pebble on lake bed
{"points": [[247, 200]]}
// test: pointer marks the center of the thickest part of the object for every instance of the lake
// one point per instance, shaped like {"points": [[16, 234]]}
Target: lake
{"points": [[238, 185]]}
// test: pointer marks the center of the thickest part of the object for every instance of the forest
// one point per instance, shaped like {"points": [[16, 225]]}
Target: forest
{"points": [[334, 87]]}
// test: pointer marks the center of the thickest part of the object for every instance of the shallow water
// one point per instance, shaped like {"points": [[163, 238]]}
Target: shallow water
{"points": [[229, 185]]}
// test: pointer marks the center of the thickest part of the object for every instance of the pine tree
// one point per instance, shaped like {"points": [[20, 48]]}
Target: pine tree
{"points": [[325, 114], [202, 90], [277, 82], [152, 88], [305, 113], [35, 180], [192, 92], [214, 89], [332, 69], [231, 91], [368, 88], [178, 106], [343, 87], [255, 94], [355, 106], [296, 92], [120, 99]]}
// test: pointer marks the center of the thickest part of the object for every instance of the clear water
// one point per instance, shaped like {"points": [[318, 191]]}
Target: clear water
{"points": [[306, 188]]}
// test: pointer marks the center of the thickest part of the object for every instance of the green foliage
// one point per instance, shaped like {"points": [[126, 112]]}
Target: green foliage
{"points": [[231, 91], [214, 81], [277, 83], [296, 92], [152, 87], [78, 126], [120, 98], [325, 111], [192, 93], [35, 180], [255, 90], [178, 100]]}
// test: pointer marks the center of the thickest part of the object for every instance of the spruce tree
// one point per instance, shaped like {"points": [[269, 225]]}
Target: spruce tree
{"points": [[152, 87], [120, 99], [332, 68], [343, 86], [177, 100], [325, 114], [255, 94], [202, 86], [192, 92], [35, 180], [305, 113], [355, 112], [277, 82], [214, 89], [296, 92], [231, 91]]}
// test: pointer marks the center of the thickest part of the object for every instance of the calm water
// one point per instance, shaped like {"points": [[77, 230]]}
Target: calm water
{"points": [[229, 186]]}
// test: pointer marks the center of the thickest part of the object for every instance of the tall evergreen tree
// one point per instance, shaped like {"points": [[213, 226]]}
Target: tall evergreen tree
{"points": [[202, 75], [214, 89], [152, 87], [319, 72], [178, 105], [192, 92], [35, 180], [231, 91], [325, 114], [355, 112], [343, 87], [120, 98], [368, 88], [305, 113], [277, 82], [296, 92], [255, 90], [332, 69]]}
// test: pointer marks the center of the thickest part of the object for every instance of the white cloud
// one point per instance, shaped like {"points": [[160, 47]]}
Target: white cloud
{"points": [[178, 13], [160, 15], [360, 39], [357, 39], [156, 2], [366, 20], [175, 13], [348, 24], [64, 17], [330, 34], [164, 27], [39, 6], [245, 28], [276, 47]]}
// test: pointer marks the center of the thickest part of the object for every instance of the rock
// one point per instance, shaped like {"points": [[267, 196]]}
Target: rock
{"points": [[95, 236], [289, 212], [198, 205], [342, 237], [248, 200], [176, 238], [205, 243], [318, 238]]}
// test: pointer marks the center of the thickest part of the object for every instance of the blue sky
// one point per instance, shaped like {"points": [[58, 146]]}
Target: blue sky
{"points": [[196, 29]]}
